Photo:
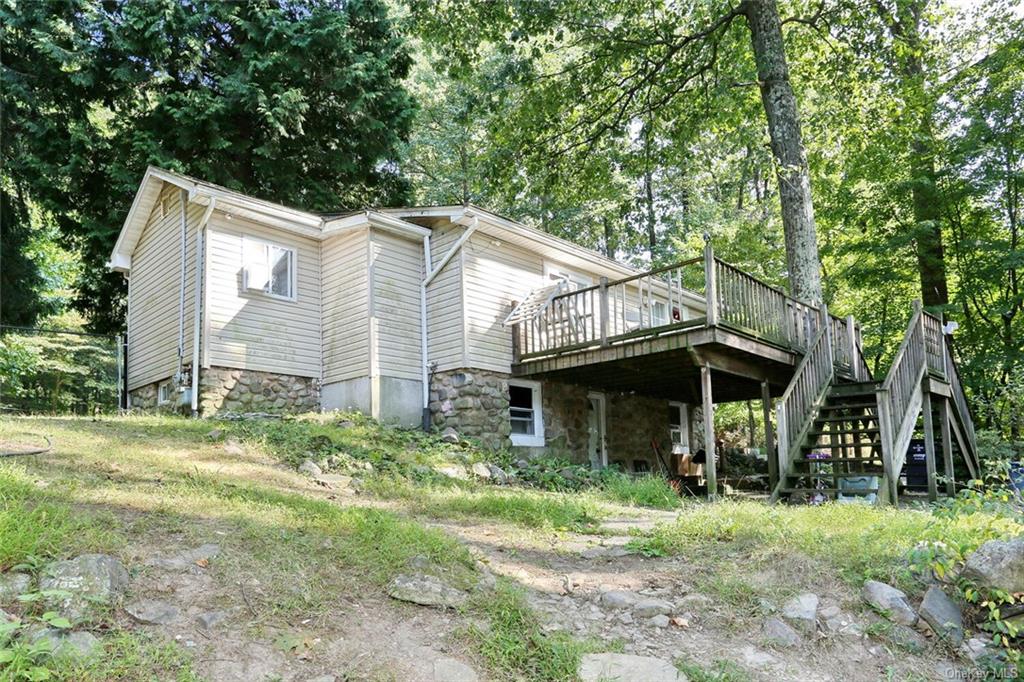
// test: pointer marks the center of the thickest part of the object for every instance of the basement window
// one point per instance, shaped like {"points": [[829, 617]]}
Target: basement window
{"points": [[525, 413], [268, 268], [164, 392]]}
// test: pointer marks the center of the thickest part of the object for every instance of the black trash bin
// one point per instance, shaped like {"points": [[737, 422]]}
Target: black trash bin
{"points": [[916, 466]]}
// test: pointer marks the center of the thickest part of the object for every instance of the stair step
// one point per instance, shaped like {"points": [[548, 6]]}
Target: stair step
{"points": [[849, 418], [838, 460], [845, 432], [831, 407], [862, 491], [837, 474]]}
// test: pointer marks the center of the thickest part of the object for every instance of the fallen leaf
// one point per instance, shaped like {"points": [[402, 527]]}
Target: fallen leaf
{"points": [[679, 621], [202, 563]]}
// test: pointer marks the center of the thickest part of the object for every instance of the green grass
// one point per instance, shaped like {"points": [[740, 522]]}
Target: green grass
{"points": [[719, 671], [131, 656], [860, 542], [642, 491], [522, 507], [33, 523], [515, 647]]}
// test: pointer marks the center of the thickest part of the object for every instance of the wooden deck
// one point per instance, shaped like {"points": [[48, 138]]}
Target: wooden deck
{"points": [[702, 331]]}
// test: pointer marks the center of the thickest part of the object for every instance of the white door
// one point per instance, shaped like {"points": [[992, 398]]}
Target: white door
{"points": [[597, 446]]}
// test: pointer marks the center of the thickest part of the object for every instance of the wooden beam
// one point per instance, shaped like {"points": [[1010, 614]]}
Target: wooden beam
{"points": [[947, 447], [769, 436], [929, 446], [709, 431]]}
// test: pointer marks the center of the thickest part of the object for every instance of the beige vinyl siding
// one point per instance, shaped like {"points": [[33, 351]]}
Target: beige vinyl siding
{"points": [[396, 265], [346, 306], [155, 289], [251, 330], [496, 274], [446, 328]]}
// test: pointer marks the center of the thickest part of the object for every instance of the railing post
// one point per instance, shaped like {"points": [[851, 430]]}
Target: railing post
{"points": [[827, 321], [782, 451], [769, 436], [603, 292], [851, 340], [710, 284], [885, 435], [517, 341]]}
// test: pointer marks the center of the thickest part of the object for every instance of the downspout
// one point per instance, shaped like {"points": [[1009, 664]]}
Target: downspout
{"points": [[425, 417], [181, 290], [431, 273], [197, 318]]}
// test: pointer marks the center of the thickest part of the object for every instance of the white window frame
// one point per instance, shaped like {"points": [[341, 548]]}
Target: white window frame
{"points": [[554, 272], [160, 388], [293, 265], [684, 425], [535, 439], [663, 319]]}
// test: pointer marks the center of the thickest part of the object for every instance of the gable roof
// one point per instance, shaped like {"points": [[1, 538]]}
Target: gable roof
{"points": [[323, 225]]}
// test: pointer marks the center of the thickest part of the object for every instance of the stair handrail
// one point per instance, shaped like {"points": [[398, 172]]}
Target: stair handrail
{"points": [[900, 397], [963, 408], [808, 388]]}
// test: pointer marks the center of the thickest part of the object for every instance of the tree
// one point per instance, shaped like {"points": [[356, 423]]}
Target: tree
{"points": [[293, 102], [620, 72]]}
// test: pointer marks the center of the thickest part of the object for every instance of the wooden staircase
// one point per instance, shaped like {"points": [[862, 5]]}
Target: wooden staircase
{"points": [[843, 435], [841, 455]]}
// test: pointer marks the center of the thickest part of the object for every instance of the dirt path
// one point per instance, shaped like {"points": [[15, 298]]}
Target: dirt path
{"points": [[590, 586]]}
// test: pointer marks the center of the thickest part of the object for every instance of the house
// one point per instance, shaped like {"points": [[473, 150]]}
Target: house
{"points": [[453, 316]]}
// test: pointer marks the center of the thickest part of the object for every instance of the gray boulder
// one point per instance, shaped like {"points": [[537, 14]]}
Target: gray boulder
{"points": [[152, 612], [211, 619], [618, 599], [14, 584], [67, 645], [426, 590], [310, 468], [802, 613], [86, 580], [648, 608], [998, 564], [890, 601], [450, 435], [659, 621], [908, 639], [627, 668], [943, 615], [453, 471], [481, 470], [498, 474], [776, 631], [187, 559]]}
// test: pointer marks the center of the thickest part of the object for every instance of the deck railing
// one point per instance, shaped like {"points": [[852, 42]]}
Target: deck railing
{"points": [[963, 410], [672, 298], [610, 312], [900, 398], [798, 406]]}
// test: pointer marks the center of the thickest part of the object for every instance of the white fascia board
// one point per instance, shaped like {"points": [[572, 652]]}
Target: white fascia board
{"points": [[381, 221]]}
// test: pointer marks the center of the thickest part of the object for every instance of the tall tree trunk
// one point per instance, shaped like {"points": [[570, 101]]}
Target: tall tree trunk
{"points": [[610, 246], [652, 236], [905, 27], [787, 147]]}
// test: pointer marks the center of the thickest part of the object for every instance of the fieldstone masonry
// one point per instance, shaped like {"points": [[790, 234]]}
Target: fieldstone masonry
{"points": [[473, 402], [144, 398], [239, 390], [566, 420], [633, 421]]}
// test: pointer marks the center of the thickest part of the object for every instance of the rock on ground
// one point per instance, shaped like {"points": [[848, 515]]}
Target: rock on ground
{"points": [[450, 435], [998, 564], [152, 612], [89, 578], [648, 608], [426, 590], [481, 470], [211, 619], [13, 584], [908, 639], [451, 670], [627, 668], [778, 632], [943, 615], [890, 601], [802, 613], [185, 560], [310, 468], [62, 644], [618, 599]]}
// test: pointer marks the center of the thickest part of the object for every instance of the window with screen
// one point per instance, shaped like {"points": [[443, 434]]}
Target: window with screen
{"points": [[525, 413]]}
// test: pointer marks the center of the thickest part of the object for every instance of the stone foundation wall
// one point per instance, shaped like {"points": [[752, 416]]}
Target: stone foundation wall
{"points": [[566, 420], [474, 402], [144, 398], [223, 389], [633, 421]]}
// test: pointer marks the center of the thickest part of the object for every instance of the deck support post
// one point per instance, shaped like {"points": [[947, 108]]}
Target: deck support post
{"points": [[851, 341], [929, 446], [769, 436], [603, 292], [886, 437], [709, 431], [947, 447], [710, 284]]}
